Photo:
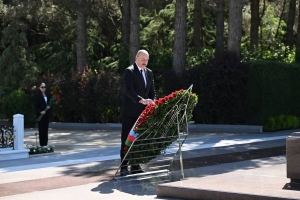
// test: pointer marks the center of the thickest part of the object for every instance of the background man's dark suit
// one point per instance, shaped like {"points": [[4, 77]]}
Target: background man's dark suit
{"points": [[40, 105], [134, 91]]}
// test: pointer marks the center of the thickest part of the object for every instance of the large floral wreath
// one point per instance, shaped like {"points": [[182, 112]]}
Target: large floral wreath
{"points": [[157, 126]]}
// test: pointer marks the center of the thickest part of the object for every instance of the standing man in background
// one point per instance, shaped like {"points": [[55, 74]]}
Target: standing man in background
{"points": [[139, 91]]}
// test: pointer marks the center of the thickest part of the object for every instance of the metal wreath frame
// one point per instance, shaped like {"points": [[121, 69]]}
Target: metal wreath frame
{"points": [[176, 119]]}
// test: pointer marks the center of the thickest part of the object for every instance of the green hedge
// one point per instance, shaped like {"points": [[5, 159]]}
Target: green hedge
{"points": [[281, 122], [270, 88], [274, 88], [18, 102]]}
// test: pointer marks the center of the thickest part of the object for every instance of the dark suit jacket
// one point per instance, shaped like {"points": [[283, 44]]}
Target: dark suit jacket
{"points": [[134, 90], [40, 104]]}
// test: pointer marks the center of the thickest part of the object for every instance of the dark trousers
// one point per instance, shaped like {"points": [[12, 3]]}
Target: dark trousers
{"points": [[43, 125], [127, 123]]}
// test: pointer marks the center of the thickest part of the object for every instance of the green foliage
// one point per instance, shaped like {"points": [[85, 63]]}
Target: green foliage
{"points": [[274, 88], [54, 57], [90, 97], [224, 90], [221, 86], [16, 64], [18, 102], [270, 125], [157, 28], [199, 58], [297, 56], [281, 122], [123, 59], [280, 53], [271, 29], [33, 149], [39, 39], [160, 58]]}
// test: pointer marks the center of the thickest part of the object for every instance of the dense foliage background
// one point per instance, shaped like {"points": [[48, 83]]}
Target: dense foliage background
{"points": [[80, 49]]}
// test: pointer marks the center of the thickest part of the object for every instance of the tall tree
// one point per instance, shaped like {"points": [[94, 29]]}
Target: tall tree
{"points": [[290, 24], [264, 8], [16, 64], [125, 36], [180, 33], [197, 23], [220, 28], [235, 26], [280, 18], [134, 29], [125, 29], [81, 37], [297, 57], [255, 20]]}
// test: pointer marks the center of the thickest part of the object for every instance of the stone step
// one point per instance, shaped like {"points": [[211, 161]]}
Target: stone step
{"points": [[220, 155], [228, 185]]}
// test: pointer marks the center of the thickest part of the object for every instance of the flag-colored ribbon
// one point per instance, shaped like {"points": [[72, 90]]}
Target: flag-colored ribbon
{"points": [[130, 138]]}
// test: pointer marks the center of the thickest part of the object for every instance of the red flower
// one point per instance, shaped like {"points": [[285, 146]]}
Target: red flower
{"points": [[155, 119], [53, 101], [57, 97]]}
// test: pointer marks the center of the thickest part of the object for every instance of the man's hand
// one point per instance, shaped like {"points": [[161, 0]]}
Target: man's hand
{"points": [[146, 101]]}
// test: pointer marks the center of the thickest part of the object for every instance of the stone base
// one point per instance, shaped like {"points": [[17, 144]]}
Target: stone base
{"points": [[9, 154], [250, 183], [293, 157], [44, 154]]}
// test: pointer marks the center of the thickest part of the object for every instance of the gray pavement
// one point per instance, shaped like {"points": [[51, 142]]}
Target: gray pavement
{"points": [[82, 152]]}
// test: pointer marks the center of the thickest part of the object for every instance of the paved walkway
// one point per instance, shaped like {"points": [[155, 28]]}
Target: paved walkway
{"points": [[85, 162]]}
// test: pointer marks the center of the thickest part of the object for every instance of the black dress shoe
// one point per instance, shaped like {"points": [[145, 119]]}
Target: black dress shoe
{"points": [[124, 172], [135, 169]]}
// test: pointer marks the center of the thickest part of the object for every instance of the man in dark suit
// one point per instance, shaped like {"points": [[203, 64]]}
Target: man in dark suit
{"points": [[139, 91]]}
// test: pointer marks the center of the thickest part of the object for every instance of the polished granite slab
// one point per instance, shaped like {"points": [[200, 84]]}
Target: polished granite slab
{"points": [[293, 157], [253, 179]]}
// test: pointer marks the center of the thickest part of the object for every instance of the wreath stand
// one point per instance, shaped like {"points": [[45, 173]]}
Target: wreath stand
{"points": [[155, 158]]}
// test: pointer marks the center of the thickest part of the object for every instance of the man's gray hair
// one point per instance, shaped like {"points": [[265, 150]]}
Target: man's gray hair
{"points": [[142, 51]]}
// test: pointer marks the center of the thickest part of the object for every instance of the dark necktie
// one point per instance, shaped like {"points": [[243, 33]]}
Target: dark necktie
{"points": [[144, 76]]}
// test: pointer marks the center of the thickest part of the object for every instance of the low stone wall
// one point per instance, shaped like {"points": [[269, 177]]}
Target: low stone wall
{"points": [[84, 126], [222, 128]]}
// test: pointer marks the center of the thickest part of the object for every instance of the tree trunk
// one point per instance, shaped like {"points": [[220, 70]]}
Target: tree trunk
{"points": [[220, 28], [279, 22], [197, 42], [179, 48], [235, 26], [255, 20], [125, 40], [261, 16], [81, 39], [290, 24], [134, 29], [297, 57]]}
